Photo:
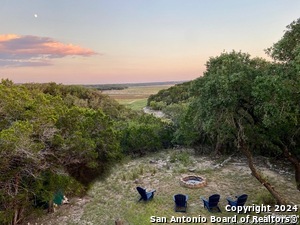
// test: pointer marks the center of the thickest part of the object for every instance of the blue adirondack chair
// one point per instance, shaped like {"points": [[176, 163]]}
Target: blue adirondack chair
{"points": [[240, 201], [144, 194], [212, 203], [180, 202]]}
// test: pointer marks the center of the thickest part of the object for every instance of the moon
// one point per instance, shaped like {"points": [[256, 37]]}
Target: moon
{"points": [[35, 15]]}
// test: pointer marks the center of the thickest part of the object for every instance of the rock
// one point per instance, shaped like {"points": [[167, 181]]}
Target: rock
{"points": [[137, 181], [192, 169], [216, 166]]}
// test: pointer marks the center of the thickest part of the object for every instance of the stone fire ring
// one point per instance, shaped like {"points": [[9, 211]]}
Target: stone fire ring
{"points": [[193, 181]]}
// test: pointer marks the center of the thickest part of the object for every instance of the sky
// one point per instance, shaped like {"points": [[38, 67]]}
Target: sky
{"points": [[132, 41]]}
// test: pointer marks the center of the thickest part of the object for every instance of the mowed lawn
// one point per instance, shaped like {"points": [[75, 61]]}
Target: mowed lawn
{"points": [[135, 97]]}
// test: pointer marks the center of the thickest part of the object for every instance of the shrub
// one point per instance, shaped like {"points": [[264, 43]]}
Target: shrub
{"points": [[145, 134]]}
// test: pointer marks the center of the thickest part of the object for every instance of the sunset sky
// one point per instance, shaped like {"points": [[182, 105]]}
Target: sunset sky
{"points": [[130, 41]]}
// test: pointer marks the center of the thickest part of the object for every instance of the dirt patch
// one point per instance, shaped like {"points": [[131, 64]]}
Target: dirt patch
{"points": [[65, 214]]}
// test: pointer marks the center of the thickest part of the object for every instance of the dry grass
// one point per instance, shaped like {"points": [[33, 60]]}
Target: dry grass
{"points": [[116, 196], [143, 91], [120, 198], [135, 97]]}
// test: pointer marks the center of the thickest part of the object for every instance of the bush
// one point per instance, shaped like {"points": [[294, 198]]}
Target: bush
{"points": [[182, 157], [145, 134], [157, 105]]}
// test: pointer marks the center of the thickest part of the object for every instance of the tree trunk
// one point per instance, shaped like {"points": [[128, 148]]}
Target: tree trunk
{"points": [[218, 147], [16, 215], [296, 164], [16, 207], [258, 176], [297, 176], [50, 206]]}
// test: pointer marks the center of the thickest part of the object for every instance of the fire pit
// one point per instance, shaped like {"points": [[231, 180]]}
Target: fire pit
{"points": [[193, 181]]}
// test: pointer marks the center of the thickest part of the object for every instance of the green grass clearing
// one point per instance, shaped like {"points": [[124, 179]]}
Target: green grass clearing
{"points": [[136, 104]]}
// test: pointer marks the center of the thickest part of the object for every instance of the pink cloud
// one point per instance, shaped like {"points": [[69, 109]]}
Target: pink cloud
{"points": [[27, 50], [7, 37]]}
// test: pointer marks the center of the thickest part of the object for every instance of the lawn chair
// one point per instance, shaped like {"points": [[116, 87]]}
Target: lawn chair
{"points": [[144, 194], [180, 202], [240, 201], [212, 203]]}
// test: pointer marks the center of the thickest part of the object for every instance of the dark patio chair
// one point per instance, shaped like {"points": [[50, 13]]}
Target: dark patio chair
{"points": [[180, 202], [240, 201], [212, 203], [144, 194]]}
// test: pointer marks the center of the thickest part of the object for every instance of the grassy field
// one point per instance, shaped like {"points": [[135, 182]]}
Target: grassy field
{"points": [[116, 197], [135, 97]]}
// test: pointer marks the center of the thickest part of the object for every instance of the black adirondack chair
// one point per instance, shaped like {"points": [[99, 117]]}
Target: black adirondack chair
{"points": [[212, 203], [240, 200], [180, 202], [144, 194]]}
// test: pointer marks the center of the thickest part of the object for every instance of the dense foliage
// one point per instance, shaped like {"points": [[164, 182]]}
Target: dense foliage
{"points": [[248, 104], [146, 134], [55, 137], [82, 97], [237, 90], [173, 95]]}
